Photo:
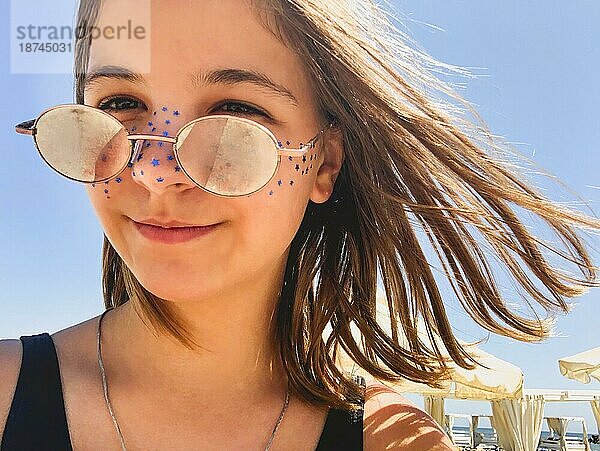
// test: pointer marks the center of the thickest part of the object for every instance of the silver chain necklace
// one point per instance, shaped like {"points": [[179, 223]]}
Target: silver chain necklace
{"points": [[112, 414]]}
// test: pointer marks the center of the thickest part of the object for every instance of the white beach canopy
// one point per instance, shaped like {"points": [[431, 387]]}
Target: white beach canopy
{"points": [[581, 367], [499, 380]]}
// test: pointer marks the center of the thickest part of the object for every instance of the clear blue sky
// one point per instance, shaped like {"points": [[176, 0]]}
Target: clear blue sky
{"points": [[537, 64]]}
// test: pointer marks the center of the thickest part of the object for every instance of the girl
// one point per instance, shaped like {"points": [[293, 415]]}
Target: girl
{"points": [[252, 169]]}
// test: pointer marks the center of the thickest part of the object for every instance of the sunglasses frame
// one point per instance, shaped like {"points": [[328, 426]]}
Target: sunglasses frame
{"points": [[29, 127]]}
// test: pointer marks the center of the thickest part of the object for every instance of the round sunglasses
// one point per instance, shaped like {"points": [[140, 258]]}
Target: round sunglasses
{"points": [[225, 155]]}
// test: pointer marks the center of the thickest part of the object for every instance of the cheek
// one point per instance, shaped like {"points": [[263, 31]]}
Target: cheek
{"points": [[294, 174], [272, 216], [105, 210], [280, 205], [110, 220]]}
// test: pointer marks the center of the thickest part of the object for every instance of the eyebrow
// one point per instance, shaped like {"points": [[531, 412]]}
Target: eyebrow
{"points": [[233, 76], [112, 72], [228, 76]]}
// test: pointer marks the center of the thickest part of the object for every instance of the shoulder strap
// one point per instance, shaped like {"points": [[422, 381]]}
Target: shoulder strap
{"points": [[344, 429], [37, 418]]}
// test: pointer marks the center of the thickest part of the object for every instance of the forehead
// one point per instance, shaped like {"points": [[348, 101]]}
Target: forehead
{"points": [[184, 37]]}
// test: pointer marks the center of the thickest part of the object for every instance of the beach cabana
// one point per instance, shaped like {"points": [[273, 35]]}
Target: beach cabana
{"points": [[519, 422], [581, 367], [559, 439], [584, 367]]}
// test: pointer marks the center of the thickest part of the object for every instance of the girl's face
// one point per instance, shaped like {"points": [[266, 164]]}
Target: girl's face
{"points": [[189, 40]]}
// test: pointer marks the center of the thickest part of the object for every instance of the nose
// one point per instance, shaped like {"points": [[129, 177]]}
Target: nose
{"points": [[155, 167]]}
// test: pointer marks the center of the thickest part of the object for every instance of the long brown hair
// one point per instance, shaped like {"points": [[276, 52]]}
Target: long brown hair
{"points": [[416, 175]]}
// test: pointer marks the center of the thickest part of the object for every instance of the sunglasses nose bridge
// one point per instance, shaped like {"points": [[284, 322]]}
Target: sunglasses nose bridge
{"points": [[140, 143], [137, 147]]}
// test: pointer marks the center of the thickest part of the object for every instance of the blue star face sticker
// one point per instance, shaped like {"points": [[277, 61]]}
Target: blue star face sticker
{"points": [[160, 180], [165, 133], [167, 122], [118, 180], [170, 158], [155, 162], [176, 113], [177, 169]]}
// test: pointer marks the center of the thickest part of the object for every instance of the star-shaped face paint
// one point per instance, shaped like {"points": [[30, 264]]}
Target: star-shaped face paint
{"points": [[255, 230]]}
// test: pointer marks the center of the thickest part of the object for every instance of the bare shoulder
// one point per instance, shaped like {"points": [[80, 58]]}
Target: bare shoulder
{"points": [[10, 364], [392, 422]]}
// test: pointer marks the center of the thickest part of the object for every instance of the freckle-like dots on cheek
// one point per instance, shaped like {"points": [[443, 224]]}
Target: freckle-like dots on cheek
{"points": [[302, 169]]}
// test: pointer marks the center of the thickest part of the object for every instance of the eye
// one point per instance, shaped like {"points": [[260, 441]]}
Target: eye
{"points": [[120, 104], [239, 108]]}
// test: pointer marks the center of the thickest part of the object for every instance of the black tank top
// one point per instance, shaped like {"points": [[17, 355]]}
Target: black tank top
{"points": [[37, 419]]}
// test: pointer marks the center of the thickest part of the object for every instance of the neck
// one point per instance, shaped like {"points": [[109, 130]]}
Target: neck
{"points": [[236, 359]]}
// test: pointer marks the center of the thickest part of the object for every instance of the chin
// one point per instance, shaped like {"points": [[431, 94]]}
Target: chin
{"points": [[177, 285]]}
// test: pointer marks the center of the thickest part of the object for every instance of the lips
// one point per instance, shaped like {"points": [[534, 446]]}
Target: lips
{"points": [[175, 233], [171, 223]]}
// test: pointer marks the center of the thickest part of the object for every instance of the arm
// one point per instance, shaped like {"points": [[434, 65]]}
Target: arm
{"points": [[392, 422], [10, 363]]}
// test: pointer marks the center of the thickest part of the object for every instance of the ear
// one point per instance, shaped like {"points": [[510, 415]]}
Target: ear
{"points": [[329, 165]]}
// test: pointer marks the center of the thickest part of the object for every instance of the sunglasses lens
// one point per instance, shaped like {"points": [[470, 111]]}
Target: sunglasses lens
{"points": [[82, 143], [227, 156]]}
